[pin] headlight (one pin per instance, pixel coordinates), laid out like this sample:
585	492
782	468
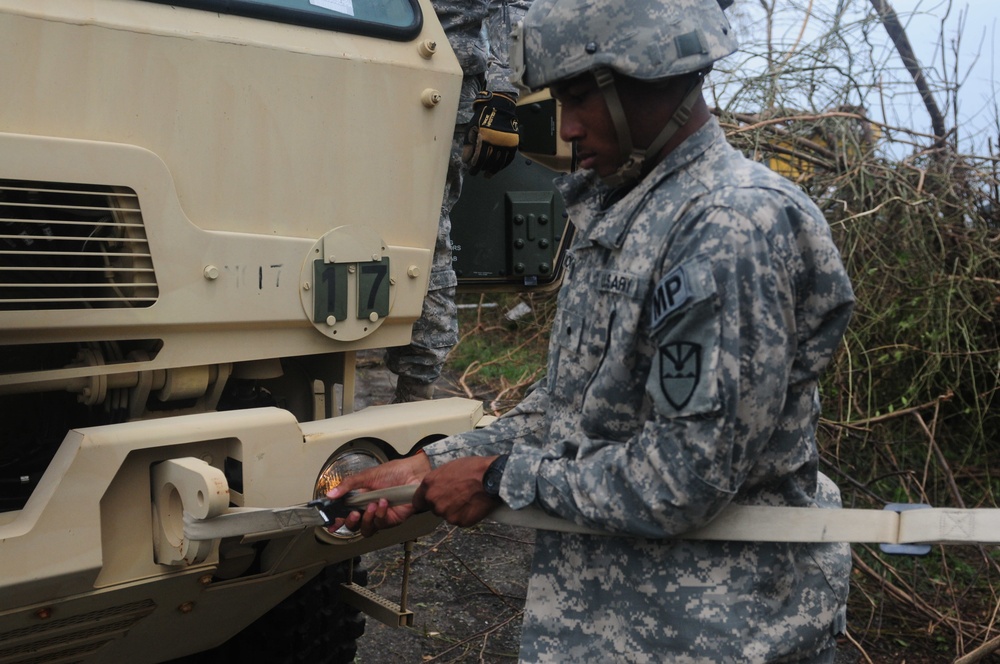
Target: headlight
344	463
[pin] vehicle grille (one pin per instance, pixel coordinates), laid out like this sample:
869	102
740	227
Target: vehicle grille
72	246
71	639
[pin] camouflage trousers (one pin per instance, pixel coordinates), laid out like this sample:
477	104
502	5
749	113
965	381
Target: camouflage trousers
435	333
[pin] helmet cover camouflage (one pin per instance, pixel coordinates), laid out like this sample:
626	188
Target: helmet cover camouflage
644	39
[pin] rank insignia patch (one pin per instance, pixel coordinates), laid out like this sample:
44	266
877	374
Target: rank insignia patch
680	371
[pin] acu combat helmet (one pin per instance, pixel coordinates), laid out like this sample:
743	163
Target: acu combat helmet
645	39
649	40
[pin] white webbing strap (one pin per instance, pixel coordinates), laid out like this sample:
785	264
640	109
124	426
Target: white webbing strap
950	526
259	522
242	521
759	523
898	524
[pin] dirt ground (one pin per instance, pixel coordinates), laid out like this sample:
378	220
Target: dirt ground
466	590
467	586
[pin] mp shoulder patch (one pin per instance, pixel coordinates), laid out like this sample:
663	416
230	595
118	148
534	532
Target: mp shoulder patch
670	294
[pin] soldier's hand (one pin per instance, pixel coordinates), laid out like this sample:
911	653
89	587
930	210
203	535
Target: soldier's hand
454	491
492	141
378	515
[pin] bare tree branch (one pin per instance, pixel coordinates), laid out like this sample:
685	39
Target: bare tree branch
898	35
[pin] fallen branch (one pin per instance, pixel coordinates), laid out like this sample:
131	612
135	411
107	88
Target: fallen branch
981	652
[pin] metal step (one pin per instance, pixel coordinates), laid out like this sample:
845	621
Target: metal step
381	609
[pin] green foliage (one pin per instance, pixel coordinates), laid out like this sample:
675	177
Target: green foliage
499	358
927	276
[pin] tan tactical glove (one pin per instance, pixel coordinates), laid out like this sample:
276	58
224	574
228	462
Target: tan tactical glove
492	142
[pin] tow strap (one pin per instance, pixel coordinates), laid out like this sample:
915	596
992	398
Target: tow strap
898	527
269	522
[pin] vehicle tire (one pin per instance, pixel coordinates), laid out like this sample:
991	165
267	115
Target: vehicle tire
311	625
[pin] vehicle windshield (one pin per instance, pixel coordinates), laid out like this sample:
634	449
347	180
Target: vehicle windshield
391	19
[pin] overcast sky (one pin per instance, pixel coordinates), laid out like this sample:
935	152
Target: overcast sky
976	23
936	28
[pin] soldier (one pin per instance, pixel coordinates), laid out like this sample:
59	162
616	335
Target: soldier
703	297
485	140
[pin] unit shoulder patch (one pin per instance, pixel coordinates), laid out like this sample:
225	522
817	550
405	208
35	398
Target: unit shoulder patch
680	372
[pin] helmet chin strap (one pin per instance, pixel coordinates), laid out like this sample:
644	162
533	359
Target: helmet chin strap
634	160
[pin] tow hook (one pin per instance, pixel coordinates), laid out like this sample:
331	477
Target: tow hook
184	485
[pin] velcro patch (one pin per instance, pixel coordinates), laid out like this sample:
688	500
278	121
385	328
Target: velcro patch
680	372
670	294
619	283
689	44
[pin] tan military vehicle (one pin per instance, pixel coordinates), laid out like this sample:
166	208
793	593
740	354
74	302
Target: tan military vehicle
207	208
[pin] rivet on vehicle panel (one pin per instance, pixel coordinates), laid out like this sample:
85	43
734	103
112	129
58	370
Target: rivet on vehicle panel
373	316
306	285
211	272
376	258
430	98
351	269
331	320
427	48
186	607
205	579
43	614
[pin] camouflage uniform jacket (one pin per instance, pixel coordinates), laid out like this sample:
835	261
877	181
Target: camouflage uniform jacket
478	31
697	312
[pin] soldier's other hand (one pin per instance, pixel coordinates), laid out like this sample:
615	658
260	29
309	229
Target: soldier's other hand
492	141
454	491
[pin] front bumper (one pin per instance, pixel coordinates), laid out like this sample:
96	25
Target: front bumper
80	563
